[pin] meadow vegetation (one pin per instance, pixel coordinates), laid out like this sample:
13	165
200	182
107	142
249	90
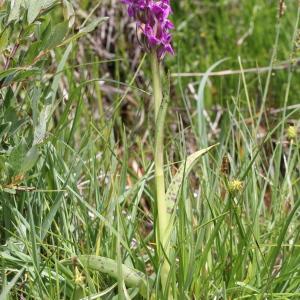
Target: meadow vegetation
77	134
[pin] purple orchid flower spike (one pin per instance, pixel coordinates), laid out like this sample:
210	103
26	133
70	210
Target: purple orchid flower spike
152	20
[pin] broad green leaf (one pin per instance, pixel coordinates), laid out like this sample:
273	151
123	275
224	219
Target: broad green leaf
57	35
34	8
28	31
45	31
48	3
15	9
4	129
174	188
132	277
4	39
16	126
40	128
16	157
30	159
182	173
33	52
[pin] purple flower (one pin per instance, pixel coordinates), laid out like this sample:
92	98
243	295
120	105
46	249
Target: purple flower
152	20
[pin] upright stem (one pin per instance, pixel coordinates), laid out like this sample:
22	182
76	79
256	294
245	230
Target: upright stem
156	83
162	215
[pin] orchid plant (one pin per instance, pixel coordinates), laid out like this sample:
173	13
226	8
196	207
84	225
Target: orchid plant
152	21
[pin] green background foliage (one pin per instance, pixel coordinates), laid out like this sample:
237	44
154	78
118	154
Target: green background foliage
76	140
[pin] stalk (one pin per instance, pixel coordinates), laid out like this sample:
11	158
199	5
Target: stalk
162	214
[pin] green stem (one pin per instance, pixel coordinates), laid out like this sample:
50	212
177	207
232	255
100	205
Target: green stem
162	214
156	83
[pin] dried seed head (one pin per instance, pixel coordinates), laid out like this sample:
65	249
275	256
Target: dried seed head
225	166
282	8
